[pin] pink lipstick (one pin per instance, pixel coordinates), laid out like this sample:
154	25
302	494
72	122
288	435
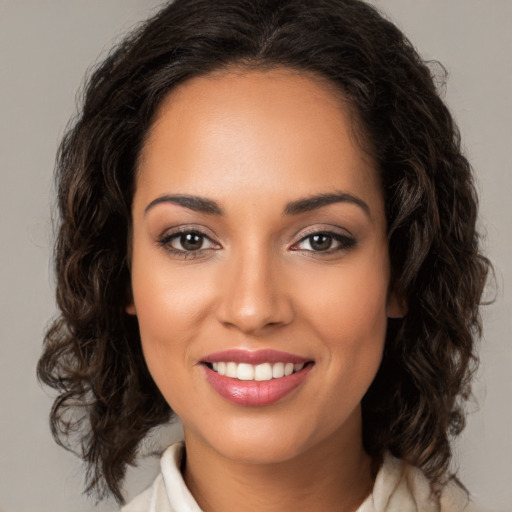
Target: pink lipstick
255	378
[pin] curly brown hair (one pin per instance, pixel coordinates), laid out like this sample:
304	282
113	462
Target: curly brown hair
92	352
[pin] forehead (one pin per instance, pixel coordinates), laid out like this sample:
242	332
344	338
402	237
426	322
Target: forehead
240	130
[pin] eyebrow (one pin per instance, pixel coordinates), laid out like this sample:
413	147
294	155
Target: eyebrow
196	203
308	204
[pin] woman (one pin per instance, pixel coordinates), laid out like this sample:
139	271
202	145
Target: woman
267	228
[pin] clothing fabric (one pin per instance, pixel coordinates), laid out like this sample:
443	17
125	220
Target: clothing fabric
398	487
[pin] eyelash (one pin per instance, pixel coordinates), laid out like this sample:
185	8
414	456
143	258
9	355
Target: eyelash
344	242
166	243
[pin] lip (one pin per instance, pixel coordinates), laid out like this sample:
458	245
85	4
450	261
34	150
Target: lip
254	357
255	393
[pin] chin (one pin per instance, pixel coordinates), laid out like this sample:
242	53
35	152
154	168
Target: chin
261	451
261	440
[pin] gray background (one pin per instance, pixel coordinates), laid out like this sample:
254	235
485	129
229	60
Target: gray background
45	46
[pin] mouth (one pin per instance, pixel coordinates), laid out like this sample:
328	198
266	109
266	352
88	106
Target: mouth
259	373
254	379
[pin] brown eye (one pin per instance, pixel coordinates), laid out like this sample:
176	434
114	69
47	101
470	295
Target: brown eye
320	242
191	241
325	242
187	242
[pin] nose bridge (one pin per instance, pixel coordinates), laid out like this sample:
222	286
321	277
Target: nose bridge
253	292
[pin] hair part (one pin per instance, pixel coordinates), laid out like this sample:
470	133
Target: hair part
92	352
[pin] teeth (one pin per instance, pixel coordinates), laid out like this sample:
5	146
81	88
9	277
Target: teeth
231	370
278	370
263	371
259	372
245	371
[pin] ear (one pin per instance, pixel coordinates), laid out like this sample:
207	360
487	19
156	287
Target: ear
397	307
130	304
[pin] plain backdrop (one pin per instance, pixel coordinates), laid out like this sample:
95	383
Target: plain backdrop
45	48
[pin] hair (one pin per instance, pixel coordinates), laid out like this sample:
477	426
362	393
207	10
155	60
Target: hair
107	400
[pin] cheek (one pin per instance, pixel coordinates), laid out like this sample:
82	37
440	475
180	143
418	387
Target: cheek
352	299
348	311
169	306
167	299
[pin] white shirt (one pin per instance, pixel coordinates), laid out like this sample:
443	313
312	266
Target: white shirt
398	487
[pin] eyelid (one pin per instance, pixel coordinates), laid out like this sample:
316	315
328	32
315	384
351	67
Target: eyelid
165	239
177	236
188	228
321	228
342	236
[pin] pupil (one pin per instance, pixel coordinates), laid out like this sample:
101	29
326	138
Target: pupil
321	242
191	241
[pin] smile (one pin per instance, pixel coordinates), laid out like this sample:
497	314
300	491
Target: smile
260	372
255	378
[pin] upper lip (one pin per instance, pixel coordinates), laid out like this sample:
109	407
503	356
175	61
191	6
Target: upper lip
254	357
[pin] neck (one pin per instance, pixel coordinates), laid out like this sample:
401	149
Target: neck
335	475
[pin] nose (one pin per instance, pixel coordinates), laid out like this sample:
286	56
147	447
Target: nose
254	295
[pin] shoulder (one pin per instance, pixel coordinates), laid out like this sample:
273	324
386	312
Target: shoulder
169	492
400	487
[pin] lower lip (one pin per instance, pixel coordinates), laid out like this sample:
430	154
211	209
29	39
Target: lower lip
252	393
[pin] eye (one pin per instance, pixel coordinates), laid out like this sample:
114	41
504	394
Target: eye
187	242
324	241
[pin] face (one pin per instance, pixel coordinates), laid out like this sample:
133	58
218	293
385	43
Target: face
260	269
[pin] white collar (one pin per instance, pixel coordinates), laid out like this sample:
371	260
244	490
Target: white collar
398	487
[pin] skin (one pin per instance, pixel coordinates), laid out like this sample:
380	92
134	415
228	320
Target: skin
254	142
